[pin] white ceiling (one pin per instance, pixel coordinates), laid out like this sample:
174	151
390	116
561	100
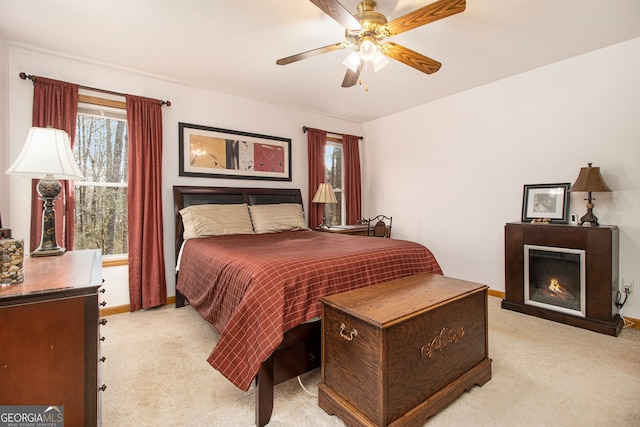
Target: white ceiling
231	46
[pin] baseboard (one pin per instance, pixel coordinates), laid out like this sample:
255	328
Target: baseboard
127	308
494	293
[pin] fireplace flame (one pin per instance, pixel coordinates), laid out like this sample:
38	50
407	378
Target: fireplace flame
556	289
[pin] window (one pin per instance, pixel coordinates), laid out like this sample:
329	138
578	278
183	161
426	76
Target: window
334	167
101	150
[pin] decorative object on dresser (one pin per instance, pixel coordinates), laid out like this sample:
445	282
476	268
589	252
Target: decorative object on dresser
589	180
11	258
397	352
380	226
564	273
545	203
47	155
49	339
324	195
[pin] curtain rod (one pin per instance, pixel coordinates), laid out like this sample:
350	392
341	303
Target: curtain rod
25	76
306	128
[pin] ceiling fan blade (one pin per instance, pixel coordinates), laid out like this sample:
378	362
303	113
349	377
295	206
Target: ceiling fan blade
351	77
411	58
334	9
311	53
429	13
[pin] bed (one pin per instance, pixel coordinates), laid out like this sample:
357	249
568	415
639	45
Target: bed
260	284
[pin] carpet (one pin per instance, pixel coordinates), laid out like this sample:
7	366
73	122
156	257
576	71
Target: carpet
543	374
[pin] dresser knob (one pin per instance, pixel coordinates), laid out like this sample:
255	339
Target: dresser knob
102	359
103	388
102	338
103	290
103	303
103	321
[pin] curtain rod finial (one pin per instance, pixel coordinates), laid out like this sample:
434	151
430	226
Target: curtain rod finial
25	76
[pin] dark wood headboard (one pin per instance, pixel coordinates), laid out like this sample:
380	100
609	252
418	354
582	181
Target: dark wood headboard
184	196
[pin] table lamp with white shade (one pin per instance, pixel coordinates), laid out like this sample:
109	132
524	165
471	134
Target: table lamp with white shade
324	195
47	155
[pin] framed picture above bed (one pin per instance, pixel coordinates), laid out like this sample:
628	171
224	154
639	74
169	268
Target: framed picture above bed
223	153
546	202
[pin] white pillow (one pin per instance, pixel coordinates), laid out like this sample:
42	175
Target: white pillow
274	218
215	220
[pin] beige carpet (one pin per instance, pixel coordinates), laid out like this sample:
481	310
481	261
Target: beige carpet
544	374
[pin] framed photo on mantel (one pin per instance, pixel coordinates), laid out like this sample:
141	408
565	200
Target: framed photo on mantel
546	201
223	153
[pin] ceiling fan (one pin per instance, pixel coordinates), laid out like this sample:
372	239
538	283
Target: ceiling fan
366	29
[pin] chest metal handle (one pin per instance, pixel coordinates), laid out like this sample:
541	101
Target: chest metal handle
352	334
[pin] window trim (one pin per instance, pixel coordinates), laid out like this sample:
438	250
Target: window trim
117	259
337	142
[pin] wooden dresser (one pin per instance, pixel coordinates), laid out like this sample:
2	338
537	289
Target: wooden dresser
398	352
49	329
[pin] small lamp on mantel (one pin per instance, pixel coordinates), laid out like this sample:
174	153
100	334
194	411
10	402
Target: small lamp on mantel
589	180
324	195
47	155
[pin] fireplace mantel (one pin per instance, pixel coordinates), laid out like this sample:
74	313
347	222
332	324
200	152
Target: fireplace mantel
601	262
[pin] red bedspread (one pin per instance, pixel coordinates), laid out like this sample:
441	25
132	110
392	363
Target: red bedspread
253	288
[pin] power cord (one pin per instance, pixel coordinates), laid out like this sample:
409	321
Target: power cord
304	388
619	296
626	323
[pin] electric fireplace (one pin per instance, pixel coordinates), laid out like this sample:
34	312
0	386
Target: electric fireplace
564	273
554	279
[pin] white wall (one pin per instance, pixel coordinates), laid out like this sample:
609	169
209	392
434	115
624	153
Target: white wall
4	131
451	172
188	104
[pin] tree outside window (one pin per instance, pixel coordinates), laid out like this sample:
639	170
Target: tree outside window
334	167
101	150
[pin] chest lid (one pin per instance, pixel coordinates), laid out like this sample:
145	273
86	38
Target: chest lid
392	302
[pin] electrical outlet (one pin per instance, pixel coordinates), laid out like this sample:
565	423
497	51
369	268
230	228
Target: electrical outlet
627	284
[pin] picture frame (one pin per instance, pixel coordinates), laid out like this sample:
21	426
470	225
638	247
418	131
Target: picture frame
223	153
546	202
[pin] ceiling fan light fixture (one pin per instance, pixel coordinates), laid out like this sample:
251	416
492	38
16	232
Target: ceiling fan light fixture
379	61
352	62
368	49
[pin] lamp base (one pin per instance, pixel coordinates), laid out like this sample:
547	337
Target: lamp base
42	252
324	224
48	188
589	218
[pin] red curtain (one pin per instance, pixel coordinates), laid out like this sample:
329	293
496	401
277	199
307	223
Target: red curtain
316	141
352	180
55	104
147	284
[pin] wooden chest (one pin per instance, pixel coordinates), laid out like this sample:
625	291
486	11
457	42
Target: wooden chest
398	352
